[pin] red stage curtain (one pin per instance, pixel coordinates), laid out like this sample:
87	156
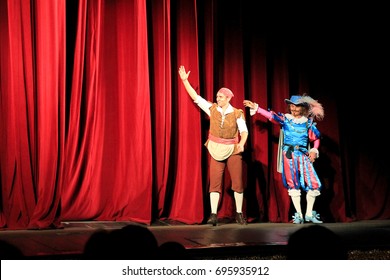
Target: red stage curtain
95	123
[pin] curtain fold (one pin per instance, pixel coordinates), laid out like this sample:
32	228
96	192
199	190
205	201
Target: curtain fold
187	198
95	123
49	97
162	104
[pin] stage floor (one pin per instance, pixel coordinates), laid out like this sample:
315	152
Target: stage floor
202	241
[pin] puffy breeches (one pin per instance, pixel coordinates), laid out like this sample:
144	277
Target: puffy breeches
217	169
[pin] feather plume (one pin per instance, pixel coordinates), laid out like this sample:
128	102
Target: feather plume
315	108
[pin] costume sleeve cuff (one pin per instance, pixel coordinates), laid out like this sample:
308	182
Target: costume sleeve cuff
254	111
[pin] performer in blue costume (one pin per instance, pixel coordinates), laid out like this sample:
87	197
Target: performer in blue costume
298	133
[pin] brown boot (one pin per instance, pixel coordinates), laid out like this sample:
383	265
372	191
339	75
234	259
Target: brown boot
213	219
240	219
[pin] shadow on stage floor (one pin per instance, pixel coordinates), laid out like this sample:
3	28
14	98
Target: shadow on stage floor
201	241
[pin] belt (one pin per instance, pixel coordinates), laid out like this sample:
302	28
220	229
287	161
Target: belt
223	140
291	148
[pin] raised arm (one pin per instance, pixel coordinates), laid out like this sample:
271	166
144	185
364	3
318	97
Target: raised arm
184	77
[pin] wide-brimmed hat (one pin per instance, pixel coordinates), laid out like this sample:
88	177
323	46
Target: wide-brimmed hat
315	108
296	100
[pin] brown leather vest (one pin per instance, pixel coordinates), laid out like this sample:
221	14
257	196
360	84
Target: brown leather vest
227	128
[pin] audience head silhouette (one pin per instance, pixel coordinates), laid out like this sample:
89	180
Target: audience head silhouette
9	251
172	250
315	242
97	246
132	242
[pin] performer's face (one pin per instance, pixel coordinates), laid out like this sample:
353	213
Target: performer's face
222	99
296	110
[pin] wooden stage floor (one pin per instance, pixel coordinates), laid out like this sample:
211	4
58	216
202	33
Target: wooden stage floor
202	241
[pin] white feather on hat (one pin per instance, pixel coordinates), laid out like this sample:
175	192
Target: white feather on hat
315	108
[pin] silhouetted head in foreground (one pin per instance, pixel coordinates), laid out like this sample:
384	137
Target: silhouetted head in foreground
172	250
9	251
132	242
315	242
